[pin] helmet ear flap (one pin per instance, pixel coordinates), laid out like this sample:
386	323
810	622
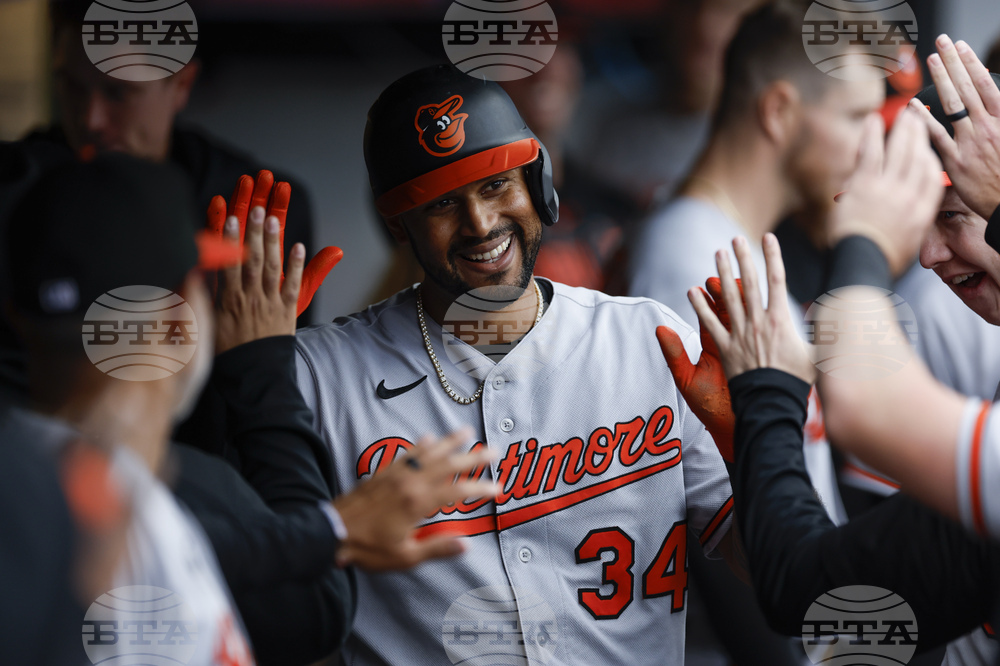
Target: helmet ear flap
540	187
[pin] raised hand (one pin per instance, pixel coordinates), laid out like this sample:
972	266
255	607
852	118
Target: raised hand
759	337
382	513
254	300
894	194
704	386
970	96
264	193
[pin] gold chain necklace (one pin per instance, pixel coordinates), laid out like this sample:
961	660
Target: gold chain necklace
437	366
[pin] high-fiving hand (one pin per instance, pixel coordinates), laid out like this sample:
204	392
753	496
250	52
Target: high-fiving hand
759	337
250	195
704	386
382	513
970	96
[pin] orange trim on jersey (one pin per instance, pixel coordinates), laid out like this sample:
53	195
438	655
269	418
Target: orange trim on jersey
854	469
467	170
524	514
717	520
974	489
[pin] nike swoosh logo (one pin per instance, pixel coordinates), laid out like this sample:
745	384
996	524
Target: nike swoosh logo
386	393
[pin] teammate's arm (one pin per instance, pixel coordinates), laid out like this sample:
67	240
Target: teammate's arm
379	516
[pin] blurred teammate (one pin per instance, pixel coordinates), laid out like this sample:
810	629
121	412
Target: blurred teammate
274	531
784	138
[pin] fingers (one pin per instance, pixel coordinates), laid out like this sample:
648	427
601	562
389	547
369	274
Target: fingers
709	321
949	80
232	272
871	156
902	143
939	135
675	355
262	189
981	78
293	274
239	203
278	206
960	79
435	548
714	286
254	245
429	449
462	491
216	218
271	281
777	290
751	290
315	273
730	297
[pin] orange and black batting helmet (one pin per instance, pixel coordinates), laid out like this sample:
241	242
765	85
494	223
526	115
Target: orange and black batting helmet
438	129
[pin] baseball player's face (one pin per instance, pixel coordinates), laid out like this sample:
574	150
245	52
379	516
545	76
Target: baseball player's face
956	250
484	233
134	117
824	154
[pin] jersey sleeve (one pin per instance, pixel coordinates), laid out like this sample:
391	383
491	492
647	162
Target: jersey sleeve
306	380
706	483
978	467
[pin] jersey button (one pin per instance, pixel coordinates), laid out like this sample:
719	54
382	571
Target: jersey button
507	425
524	555
499	382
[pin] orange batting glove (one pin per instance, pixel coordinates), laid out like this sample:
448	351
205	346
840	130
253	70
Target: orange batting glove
704	386
274	198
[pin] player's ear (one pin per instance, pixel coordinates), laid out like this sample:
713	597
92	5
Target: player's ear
395	226
183	82
778	110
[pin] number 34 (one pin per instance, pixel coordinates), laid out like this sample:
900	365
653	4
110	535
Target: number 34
666	575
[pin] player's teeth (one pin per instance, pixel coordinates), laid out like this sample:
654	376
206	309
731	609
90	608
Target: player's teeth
490	257
961	278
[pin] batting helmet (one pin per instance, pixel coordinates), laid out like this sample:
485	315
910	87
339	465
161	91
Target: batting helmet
437	129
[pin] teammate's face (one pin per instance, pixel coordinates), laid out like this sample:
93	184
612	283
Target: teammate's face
956	250
824	154
134	117
484	233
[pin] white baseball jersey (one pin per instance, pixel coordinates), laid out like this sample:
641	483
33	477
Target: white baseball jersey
693	230
168	602
582	559
978	468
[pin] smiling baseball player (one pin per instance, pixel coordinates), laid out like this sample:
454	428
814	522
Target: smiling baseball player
581	558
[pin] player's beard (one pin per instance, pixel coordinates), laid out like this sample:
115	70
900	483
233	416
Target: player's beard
809	177
447	276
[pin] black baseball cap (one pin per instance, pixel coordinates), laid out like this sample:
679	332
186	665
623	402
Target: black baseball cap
82	229
929	98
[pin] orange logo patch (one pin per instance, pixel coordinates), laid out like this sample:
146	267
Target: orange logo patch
440	127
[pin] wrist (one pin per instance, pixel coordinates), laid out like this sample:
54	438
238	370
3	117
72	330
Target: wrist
339	529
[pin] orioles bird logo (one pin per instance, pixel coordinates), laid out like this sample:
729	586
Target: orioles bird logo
442	130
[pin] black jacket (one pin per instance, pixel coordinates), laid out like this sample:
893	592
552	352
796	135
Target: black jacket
275	546
949	577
